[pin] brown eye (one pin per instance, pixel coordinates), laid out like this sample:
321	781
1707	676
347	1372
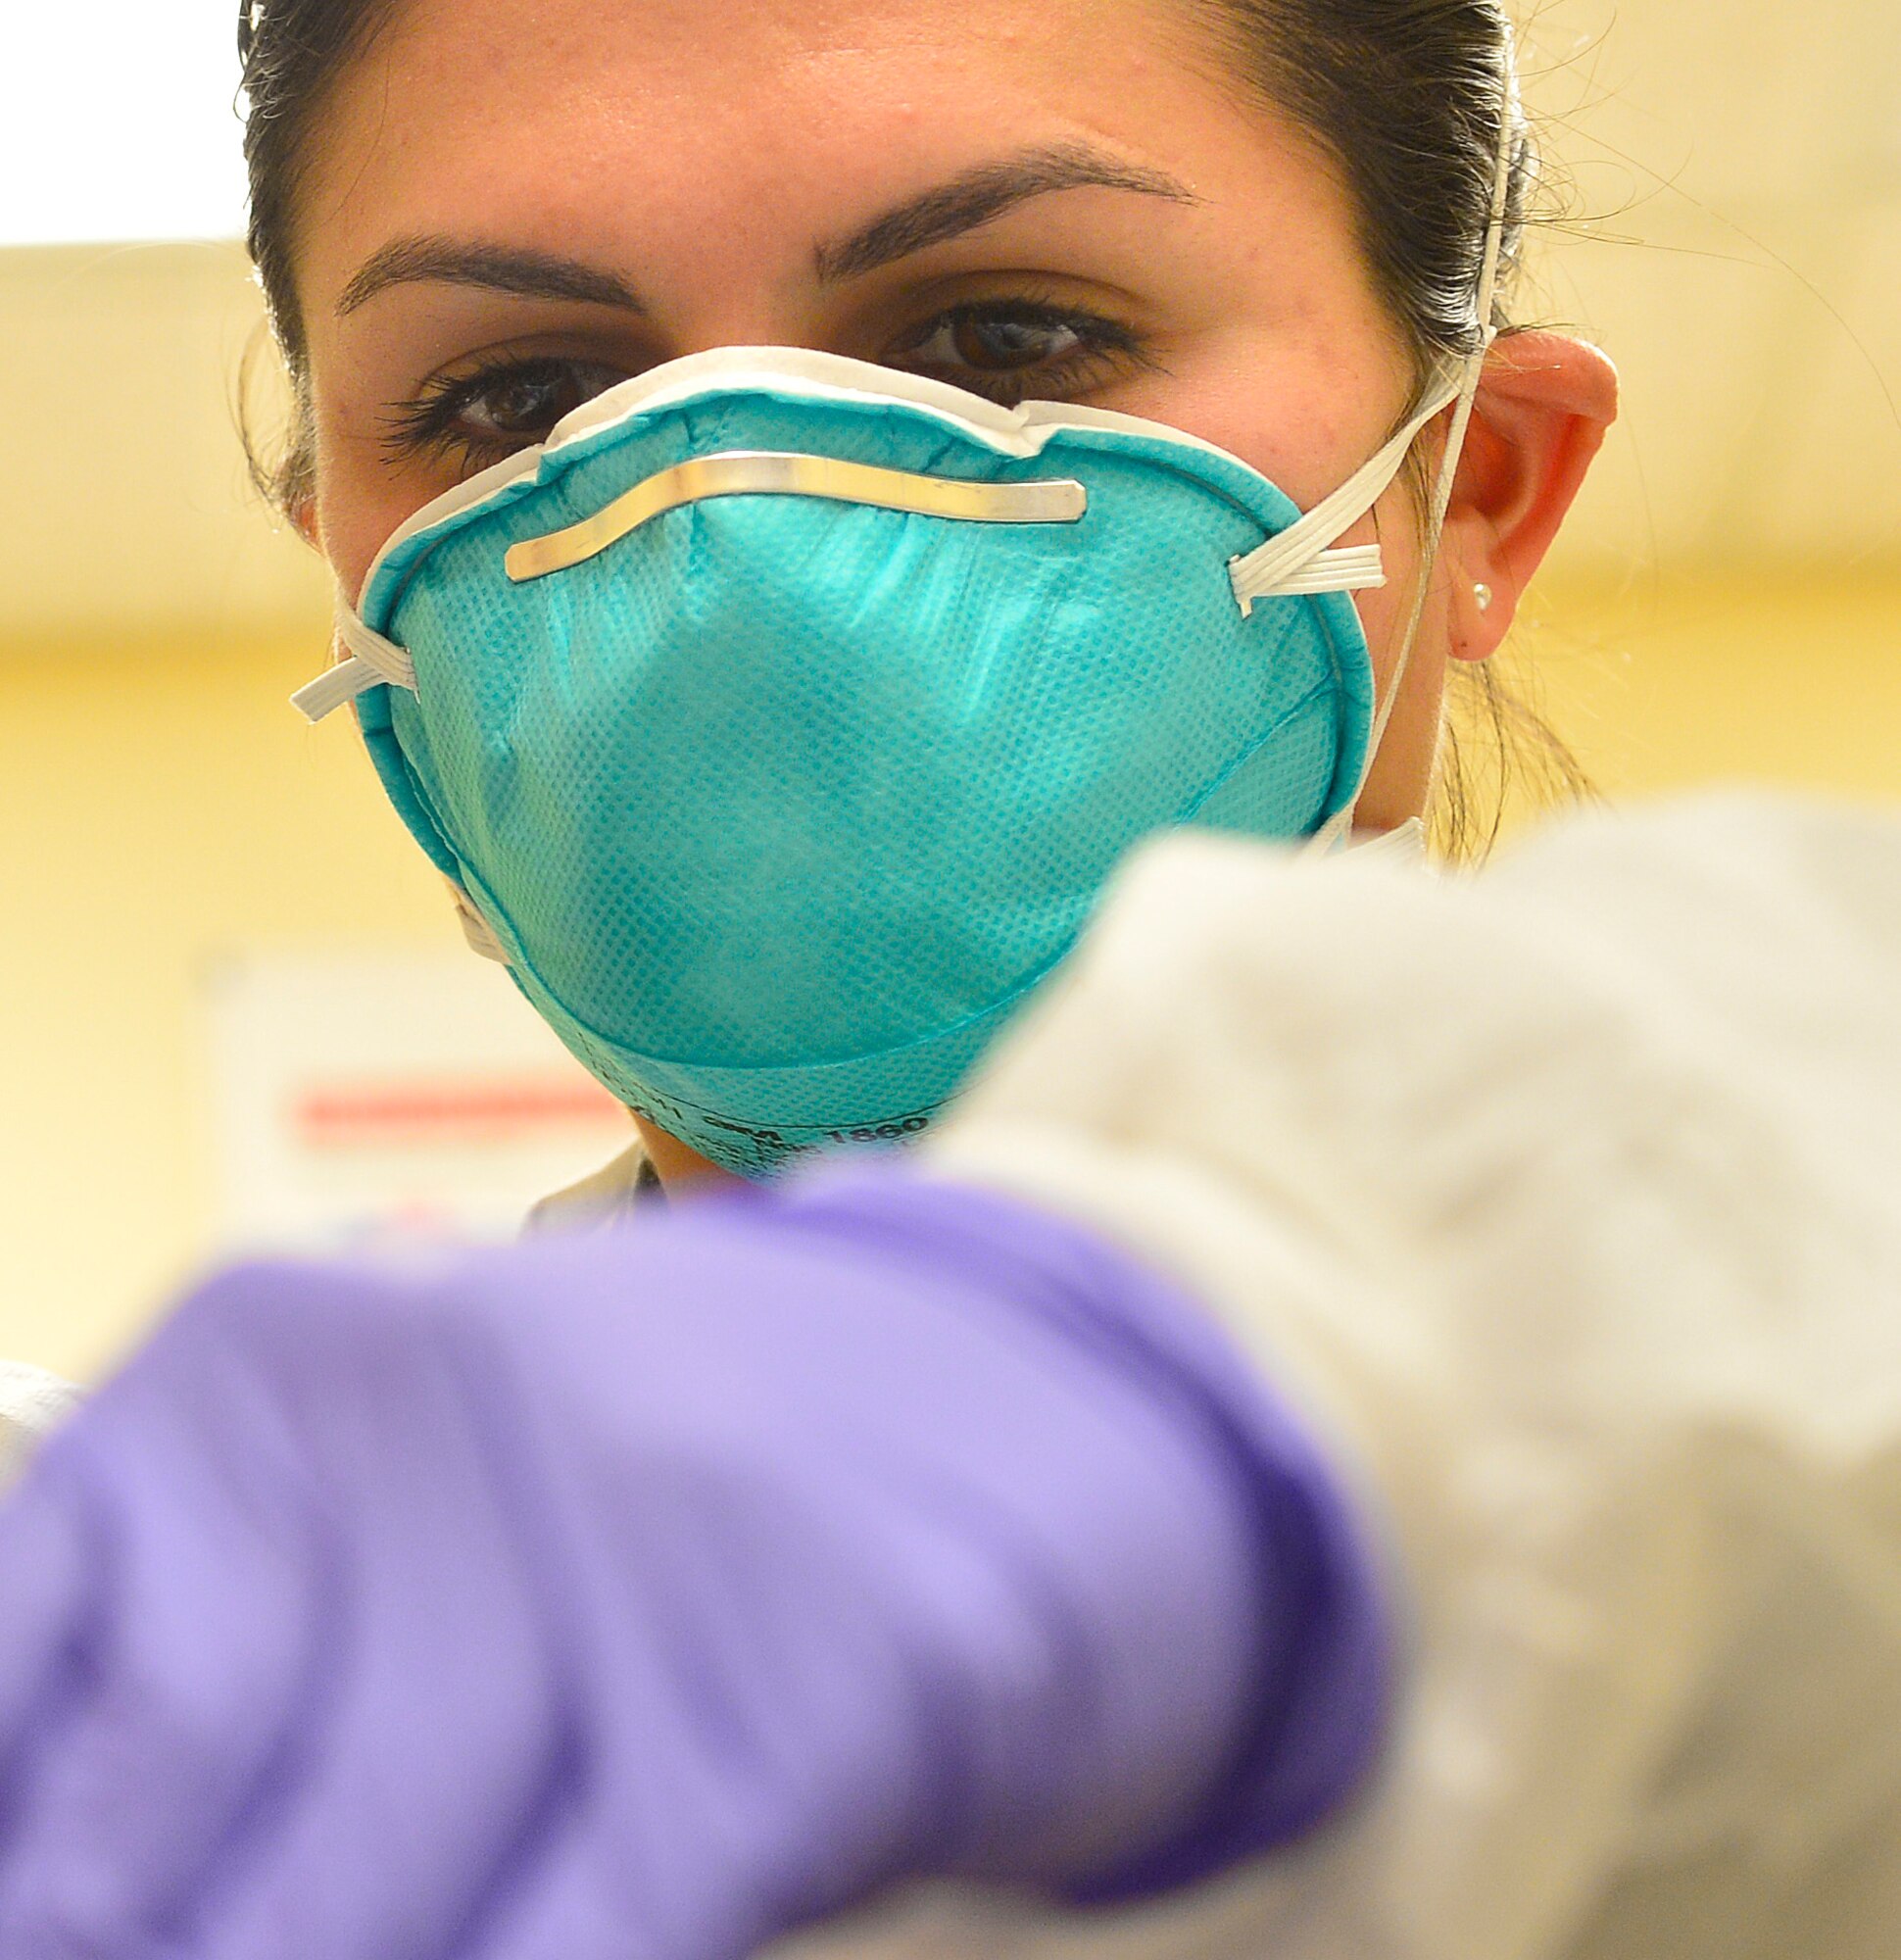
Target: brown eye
996	344
1010	350
528	401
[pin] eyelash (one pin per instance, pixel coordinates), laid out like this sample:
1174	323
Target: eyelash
428	424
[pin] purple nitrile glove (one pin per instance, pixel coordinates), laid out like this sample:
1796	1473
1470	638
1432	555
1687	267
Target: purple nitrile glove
643	1596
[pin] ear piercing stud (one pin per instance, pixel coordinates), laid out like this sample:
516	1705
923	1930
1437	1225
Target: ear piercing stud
1485	595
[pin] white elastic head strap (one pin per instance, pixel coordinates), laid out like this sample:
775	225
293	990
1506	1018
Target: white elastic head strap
1304	559
476	930
1466	398
367	660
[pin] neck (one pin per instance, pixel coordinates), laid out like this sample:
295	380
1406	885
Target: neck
675	1165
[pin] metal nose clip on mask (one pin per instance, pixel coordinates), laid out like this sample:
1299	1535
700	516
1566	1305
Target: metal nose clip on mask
784	717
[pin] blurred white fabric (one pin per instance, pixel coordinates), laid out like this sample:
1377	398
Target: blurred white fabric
1566	1197
32	1402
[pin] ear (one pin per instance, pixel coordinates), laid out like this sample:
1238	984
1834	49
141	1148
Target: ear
1544	406
302	512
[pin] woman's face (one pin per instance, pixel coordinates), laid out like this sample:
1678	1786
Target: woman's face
517	203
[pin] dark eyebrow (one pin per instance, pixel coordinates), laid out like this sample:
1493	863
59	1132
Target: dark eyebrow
498	268
976	198
985	193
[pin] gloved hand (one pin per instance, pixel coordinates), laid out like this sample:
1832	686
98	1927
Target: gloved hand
651	1595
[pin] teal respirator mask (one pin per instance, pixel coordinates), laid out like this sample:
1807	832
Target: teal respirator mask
783	717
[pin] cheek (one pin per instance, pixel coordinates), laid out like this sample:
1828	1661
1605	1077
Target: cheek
358	503
1307	412
1304	391
1306	427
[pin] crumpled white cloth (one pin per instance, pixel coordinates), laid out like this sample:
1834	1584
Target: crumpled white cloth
32	1402
1568	1196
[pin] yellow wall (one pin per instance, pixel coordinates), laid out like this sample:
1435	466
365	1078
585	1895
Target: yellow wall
1794	680
160	803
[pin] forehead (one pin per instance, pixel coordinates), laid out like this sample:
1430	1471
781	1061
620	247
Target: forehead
632	126
721	61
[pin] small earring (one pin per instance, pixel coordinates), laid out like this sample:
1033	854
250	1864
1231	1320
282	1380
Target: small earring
1485	595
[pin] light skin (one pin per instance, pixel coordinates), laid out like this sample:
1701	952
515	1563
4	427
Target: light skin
1075	203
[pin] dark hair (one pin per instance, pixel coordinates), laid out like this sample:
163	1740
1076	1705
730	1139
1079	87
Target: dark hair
293	53
1414	100
1410	99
